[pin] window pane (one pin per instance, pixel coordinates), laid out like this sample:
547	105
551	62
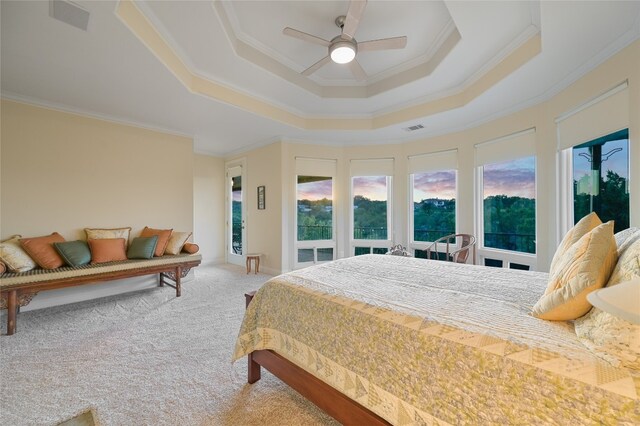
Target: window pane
601	179
493	262
315	208
362	250
325	254
370	208
380	250
434	205
305	255
236	215
509	193
422	254
518	266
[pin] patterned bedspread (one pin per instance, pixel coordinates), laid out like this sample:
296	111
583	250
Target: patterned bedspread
429	342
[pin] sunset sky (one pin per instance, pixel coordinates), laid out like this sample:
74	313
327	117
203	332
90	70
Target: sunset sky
515	178
371	187
315	190
440	184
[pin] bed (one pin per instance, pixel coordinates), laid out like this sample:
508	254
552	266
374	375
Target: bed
413	341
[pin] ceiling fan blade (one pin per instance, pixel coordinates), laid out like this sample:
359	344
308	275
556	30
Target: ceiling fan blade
357	70
315	67
383	44
306	37
356	9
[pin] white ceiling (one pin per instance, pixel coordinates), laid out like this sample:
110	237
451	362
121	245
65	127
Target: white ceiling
108	72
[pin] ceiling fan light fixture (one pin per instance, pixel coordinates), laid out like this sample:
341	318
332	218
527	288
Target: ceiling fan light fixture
342	52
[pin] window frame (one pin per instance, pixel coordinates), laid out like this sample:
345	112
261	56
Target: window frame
506	256
353	243
314	244
423	245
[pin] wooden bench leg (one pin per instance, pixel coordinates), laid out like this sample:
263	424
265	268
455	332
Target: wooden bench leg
12	305
178	279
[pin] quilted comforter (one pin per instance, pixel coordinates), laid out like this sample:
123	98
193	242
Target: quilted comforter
428	342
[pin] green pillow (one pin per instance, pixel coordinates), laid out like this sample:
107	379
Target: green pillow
142	247
74	253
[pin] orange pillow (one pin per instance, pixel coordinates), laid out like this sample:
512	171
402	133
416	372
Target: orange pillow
107	250
190	248
41	250
163	238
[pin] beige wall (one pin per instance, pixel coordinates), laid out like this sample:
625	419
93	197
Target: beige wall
64	172
623	66
208	207
264	227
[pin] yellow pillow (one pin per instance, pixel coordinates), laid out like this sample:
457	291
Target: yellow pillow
583	226
583	268
176	242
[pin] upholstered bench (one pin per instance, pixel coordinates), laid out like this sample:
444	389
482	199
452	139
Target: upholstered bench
17	289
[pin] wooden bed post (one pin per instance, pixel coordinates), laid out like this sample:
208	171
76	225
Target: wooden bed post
178	277
253	368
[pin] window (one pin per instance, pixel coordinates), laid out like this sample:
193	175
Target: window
594	160
506	201
315	239
434	204
370	206
432	199
509	205
315	208
601	179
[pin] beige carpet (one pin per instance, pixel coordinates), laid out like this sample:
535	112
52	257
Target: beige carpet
144	358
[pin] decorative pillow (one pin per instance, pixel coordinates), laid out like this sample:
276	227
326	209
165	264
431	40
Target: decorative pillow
163	238
583	226
107	250
583	268
74	253
190	248
623	235
176	242
42	251
101	233
142	247
12	255
609	337
3	268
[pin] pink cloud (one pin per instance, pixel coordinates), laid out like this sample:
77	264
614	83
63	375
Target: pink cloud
513	178
371	187
315	190
440	184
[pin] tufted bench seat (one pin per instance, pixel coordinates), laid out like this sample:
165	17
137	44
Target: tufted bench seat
17	289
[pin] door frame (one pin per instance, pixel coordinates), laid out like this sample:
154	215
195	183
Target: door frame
236	259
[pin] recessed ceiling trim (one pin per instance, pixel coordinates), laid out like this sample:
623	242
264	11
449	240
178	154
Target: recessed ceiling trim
139	25
290	72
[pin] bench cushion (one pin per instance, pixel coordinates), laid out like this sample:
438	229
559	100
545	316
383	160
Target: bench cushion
39	275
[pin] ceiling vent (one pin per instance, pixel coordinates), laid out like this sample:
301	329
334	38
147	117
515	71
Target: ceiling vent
414	128
69	13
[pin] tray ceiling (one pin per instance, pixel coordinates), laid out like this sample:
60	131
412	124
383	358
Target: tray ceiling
224	73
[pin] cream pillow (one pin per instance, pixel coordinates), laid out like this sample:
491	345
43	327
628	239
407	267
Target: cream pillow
176	241
583	226
583	268
12	254
610	337
110	233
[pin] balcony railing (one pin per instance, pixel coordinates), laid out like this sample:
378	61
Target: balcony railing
525	243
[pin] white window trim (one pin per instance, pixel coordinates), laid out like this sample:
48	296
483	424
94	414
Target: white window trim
507	256
423	245
314	244
353	243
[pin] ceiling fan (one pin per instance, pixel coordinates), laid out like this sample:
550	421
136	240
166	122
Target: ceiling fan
344	47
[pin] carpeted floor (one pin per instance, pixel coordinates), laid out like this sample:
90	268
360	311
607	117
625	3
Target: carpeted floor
144	358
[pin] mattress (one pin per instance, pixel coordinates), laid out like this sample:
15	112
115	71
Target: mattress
428	342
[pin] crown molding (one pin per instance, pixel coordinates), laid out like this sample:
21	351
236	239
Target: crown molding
55	106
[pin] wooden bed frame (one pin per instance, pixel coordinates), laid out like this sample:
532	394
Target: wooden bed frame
333	402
